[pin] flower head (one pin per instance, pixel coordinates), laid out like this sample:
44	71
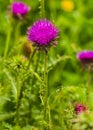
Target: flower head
42	33
67	5
79	108
27	49
19	8
85	56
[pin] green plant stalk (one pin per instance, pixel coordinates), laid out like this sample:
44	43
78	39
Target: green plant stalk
7	40
36	65
46	88
17	31
16	37
89	80
31	57
19	98
42	8
11	1
46	94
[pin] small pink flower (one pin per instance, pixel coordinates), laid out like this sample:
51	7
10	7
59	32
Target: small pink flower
79	108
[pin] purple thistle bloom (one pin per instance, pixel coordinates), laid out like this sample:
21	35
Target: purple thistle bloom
79	108
85	56
20	8
42	33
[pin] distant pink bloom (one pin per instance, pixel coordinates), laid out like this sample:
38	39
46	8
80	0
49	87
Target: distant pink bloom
79	108
85	56
19	8
42	33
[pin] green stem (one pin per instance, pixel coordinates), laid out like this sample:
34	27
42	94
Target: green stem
89	80
46	95
31	57
42	8
11	1
7	40
20	95
17	32
36	65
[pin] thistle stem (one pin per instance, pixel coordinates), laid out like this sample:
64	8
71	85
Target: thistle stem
42	8
20	95
46	95
17	32
46	88
7	40
89	80
36	65
31	57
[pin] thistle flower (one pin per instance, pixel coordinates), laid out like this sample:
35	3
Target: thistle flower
67	5
85	56
43	33
79	108
19	9
27	49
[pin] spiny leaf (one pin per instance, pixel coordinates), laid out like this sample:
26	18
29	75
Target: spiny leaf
14	89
